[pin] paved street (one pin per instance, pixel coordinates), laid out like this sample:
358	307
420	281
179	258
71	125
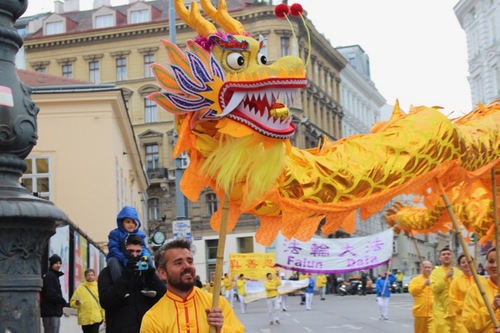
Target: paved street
335	314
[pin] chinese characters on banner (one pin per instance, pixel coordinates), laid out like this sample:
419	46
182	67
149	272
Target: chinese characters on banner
328	256
254	266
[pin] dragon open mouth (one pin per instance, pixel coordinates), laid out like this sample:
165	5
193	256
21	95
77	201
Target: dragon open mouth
251	103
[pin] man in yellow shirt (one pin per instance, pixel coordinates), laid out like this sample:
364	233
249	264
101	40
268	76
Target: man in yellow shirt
441	277
321	284
273	307
241	291
420	289
228	288
185	308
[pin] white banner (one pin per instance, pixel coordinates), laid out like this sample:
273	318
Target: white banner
340	255
255	289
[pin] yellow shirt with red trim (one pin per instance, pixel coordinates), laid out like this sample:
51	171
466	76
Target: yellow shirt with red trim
173	314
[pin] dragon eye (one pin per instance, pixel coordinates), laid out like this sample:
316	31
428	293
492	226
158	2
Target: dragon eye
235	60
262	59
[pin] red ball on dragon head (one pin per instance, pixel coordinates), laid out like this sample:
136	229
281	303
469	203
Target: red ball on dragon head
296	9
281	10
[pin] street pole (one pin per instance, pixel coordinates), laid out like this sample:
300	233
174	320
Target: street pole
26	222
181	161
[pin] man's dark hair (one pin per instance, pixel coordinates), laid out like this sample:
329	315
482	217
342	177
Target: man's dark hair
88	270
160	255
133	239
446	248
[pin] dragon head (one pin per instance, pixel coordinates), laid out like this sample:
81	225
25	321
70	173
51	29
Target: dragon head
227	76
229	101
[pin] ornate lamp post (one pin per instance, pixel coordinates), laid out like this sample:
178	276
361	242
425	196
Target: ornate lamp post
26	222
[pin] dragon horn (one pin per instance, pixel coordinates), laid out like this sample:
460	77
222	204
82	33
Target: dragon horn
222	17
194	19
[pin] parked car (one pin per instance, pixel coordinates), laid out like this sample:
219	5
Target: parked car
406	282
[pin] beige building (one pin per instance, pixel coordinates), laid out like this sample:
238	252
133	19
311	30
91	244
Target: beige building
116	45
85	159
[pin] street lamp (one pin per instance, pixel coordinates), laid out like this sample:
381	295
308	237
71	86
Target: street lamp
26	221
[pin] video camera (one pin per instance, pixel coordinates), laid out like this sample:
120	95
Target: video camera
142	264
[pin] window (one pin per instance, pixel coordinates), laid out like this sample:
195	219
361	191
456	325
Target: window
52	28
211	203
121	69
245	245
150	111
94	71
152	157
154	209
211	245
148	61
104	21
139	16
37	177
41	69
285	46
67	70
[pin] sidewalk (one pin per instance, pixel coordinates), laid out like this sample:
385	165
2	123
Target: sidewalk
69	322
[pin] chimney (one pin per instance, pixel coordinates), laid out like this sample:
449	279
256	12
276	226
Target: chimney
71	5
100	3
58	6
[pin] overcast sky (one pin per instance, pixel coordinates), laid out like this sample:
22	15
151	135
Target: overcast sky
417	49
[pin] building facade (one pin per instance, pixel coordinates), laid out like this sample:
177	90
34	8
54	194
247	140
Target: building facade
85	157
480	19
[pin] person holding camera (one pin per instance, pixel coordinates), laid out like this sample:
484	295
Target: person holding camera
122	298
128	224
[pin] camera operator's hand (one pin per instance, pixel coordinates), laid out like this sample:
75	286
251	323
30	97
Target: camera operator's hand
130	268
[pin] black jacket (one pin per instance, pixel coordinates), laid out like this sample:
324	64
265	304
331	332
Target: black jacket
124	314
52	300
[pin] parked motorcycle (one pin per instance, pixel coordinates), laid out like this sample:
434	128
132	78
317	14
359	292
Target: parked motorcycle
351	287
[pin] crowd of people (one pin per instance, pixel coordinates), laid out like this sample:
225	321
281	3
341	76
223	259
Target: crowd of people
130	294
448	300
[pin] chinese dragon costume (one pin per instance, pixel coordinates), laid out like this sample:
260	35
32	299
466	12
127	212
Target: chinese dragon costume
232	118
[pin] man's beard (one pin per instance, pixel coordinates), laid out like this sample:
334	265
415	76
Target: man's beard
177	283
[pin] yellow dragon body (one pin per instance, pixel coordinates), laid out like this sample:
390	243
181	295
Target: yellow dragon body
233	121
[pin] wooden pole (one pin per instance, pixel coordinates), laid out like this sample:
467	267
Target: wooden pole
220	256
469	260
495	217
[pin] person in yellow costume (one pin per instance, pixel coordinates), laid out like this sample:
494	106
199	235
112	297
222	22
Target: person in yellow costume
458	290
321	284
441	277
273	307
475	315
228	288
241	291
185	308
420	289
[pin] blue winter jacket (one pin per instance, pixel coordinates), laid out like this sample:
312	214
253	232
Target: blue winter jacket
310	287
381	283
117	237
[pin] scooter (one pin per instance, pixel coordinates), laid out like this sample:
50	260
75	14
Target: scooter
351	288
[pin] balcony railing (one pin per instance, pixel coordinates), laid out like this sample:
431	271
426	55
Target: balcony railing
157	174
